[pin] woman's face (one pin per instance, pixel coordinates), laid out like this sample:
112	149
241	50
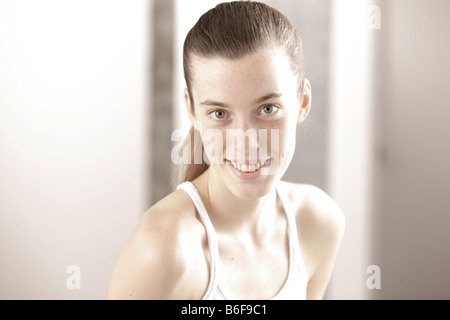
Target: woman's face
246	111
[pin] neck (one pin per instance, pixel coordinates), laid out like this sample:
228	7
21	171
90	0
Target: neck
231	214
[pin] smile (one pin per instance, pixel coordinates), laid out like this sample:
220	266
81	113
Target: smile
248	167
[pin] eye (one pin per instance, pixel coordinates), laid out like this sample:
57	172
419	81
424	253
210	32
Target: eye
218	114
269	109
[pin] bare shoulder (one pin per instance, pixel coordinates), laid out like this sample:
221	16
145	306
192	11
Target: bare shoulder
315	207
320	225
163	259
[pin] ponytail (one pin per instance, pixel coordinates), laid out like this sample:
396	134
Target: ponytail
191	170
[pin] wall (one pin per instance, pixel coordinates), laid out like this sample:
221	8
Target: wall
73	142
412	220
350	143
388	149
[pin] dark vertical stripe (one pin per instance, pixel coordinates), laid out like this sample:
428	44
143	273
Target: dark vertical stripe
163	35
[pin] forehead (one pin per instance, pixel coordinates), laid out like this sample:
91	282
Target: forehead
232	80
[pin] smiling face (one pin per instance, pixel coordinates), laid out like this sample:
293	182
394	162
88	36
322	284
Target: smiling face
256	95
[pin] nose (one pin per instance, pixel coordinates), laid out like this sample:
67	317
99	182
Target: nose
247	139
243	142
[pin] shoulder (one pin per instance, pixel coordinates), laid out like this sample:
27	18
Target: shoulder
315	207
320	225
163	259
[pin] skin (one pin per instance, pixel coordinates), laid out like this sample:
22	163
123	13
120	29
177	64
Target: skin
167	256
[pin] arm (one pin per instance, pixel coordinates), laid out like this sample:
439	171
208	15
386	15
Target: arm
155	263
321	228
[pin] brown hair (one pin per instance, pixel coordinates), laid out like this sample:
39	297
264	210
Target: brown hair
233	30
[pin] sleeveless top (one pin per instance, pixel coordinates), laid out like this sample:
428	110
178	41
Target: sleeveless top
294	287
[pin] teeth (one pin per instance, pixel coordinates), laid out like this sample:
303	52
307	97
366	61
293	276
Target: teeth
247	168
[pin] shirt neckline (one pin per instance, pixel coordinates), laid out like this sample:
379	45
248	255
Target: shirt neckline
215	267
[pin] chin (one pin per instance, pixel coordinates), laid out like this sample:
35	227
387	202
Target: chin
249	193
248	189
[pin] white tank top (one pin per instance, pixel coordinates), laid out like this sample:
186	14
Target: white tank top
294	287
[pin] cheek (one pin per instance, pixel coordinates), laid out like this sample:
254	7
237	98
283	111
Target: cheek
290	142
213	144
285	143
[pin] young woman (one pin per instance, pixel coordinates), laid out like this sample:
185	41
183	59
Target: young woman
233	229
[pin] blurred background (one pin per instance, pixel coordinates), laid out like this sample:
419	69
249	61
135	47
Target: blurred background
91	91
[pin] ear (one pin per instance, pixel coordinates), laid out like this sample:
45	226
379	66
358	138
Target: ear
305	102
190	110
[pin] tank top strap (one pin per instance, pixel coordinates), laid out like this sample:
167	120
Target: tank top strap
190	189
295	279
292	227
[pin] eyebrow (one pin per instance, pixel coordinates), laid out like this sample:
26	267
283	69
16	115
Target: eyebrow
257	101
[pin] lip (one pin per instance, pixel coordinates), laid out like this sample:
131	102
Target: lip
247	175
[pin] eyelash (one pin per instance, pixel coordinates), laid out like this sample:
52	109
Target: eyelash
262	108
